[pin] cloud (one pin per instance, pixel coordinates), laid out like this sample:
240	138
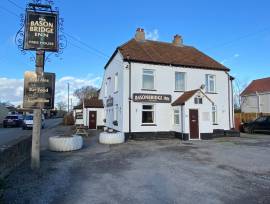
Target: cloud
235	56
11	90
152	35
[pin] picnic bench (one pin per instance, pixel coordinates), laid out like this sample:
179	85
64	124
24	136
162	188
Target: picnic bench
81	130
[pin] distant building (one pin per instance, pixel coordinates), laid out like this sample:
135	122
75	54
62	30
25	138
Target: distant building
256	97
90	113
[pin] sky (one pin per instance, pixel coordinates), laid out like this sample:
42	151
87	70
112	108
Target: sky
235	33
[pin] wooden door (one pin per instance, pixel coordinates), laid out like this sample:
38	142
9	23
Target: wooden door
194	124
92	119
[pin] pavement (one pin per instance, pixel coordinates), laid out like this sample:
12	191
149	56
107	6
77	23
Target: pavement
224	170
8	135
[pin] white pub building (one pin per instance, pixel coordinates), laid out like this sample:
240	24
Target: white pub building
157	89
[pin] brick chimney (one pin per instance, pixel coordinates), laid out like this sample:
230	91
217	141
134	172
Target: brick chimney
178	40
140	35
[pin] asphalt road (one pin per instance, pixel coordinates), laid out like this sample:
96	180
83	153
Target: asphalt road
7	135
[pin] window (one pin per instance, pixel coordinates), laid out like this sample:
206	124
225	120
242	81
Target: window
147	114
214	114
148	79
180	81
176	117
115	113
116	82
198	100
210	83
106	90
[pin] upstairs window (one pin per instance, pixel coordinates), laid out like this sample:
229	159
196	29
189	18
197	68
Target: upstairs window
180	81
176	114
148	114
106	90
210	83
148	79
198	100
116	82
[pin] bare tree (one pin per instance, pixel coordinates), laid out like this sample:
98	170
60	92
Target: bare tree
86	92
238	88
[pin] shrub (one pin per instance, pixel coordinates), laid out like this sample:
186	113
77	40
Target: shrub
69	119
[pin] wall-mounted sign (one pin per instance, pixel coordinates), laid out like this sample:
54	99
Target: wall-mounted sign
154	98
41	31
39	91
79	114
109	102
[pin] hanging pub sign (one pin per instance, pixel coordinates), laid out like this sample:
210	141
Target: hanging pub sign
154	98
41	31
39	91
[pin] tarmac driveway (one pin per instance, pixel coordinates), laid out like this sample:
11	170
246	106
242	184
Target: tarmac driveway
225	170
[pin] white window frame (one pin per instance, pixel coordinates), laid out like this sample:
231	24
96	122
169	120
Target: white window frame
106	89
175	114
214	114
198	100
148	110
207	83
153	74
115	112
183	88
116	82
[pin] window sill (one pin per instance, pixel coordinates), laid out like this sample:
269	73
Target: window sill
148	89
215	124
178	91
148	125
211	92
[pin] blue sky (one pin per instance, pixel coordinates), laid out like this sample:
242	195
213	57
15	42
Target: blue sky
235	33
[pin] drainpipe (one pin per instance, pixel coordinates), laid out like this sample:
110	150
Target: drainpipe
129	101
229	101
182	123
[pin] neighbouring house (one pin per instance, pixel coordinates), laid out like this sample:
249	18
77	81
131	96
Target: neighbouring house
90	113
256	97
160	89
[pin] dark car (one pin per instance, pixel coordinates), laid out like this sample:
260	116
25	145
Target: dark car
261	124
13	121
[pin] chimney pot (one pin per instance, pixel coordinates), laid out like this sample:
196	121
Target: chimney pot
178	40
140	35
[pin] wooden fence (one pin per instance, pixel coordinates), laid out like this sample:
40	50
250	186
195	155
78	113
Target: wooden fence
246	117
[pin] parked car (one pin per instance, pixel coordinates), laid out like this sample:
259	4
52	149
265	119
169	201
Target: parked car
28	122
261	124
13	121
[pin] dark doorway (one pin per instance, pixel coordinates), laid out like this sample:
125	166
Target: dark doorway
194	124
92	119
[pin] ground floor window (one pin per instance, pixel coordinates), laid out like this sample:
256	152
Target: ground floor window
148	114
115	113
176	117
214	114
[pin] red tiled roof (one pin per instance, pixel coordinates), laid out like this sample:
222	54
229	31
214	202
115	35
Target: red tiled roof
259	85
154	52
184	97
91	103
